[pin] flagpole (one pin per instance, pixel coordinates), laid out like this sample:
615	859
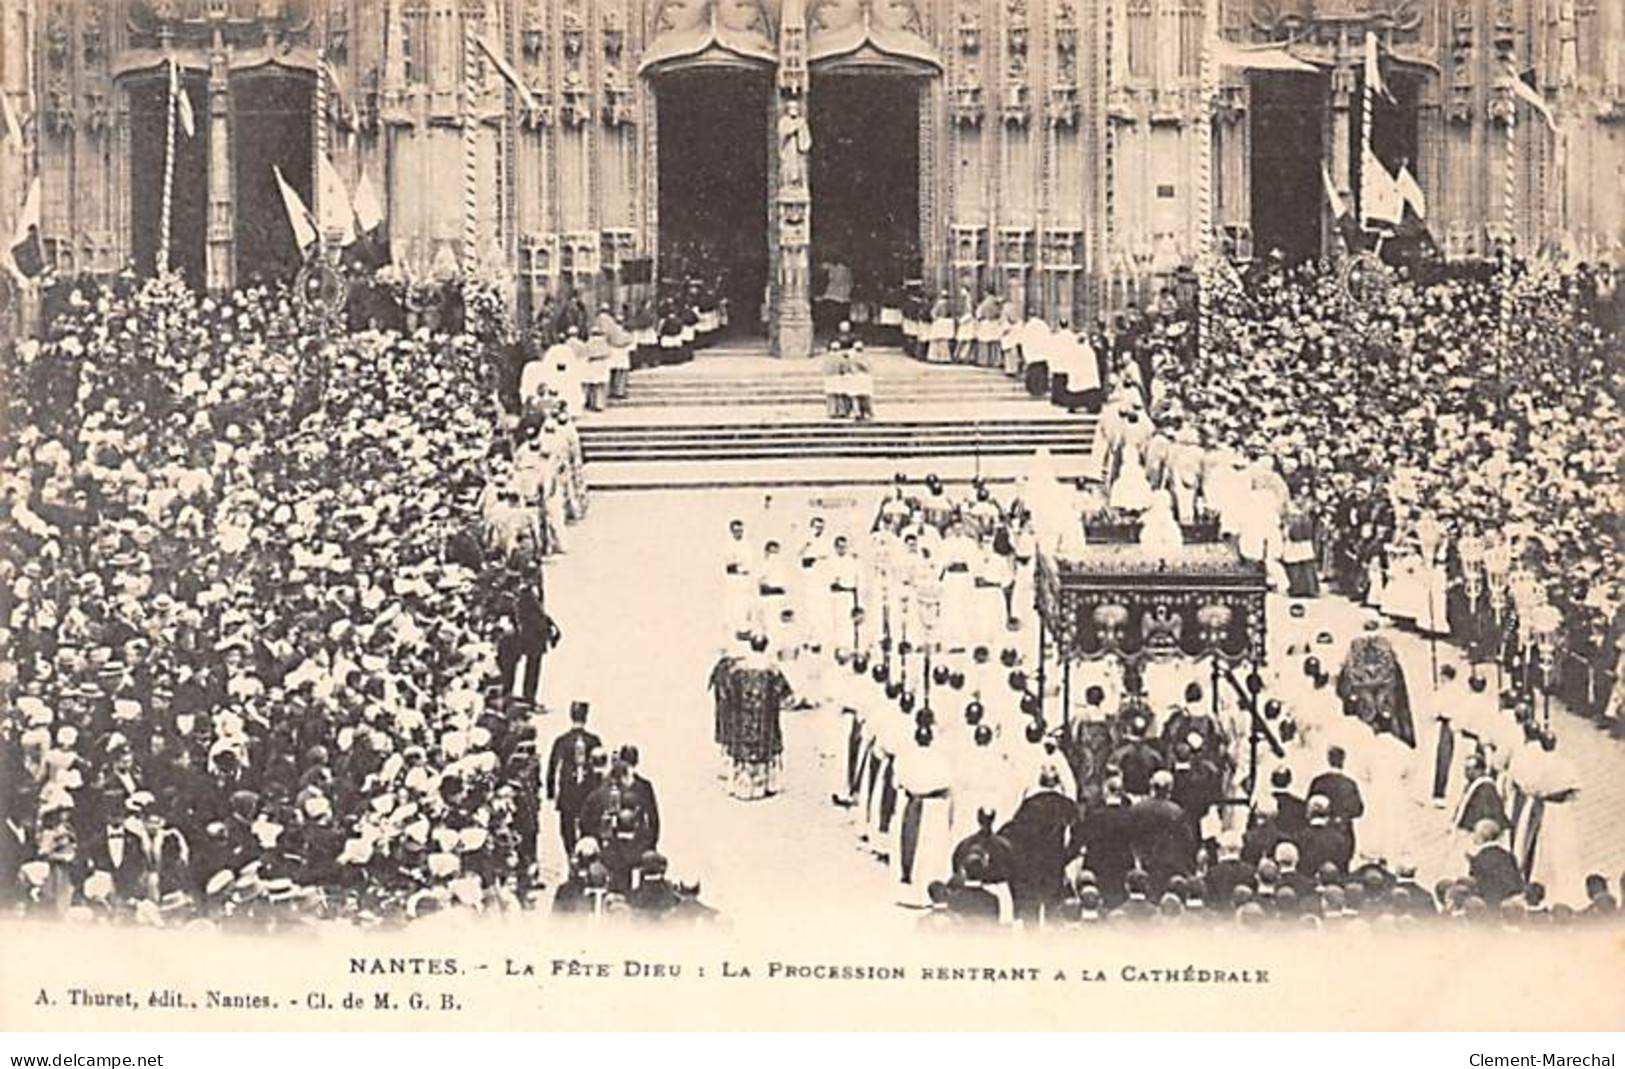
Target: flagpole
1509	205
471	155
321	142
166	212
1368	98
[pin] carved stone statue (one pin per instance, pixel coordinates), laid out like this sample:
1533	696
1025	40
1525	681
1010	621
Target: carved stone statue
795	141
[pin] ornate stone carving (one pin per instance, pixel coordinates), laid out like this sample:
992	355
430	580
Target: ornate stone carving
613	30
969	30
1017	109
619	99
541	114
533	30
1502	107
1066	32
338	32
967	98
1504	28
1061	109
58	38
59	116
574	28
1230	106
1460	240
1015	32
1461	62
575	105
98	113
795	142
92	39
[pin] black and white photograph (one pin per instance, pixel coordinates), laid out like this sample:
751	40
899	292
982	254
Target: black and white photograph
1082	511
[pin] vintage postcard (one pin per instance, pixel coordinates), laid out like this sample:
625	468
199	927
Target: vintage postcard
811	514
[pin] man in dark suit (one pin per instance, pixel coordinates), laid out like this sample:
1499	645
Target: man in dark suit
642	795
998	856
1045	835
1493	868
1338	788
1288	873
1108	841
1163	840
569	774
1138	759
520	652
1291	814
1229	872
1324	841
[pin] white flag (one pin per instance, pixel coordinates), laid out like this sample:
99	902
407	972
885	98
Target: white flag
14	129
333	203
1267	58
1524	92
369	211
304	229
1339	209
1373	70
1380	198
181	99
509	75
1410	191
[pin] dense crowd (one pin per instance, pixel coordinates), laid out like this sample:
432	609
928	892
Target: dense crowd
960	764
272	644
1451	447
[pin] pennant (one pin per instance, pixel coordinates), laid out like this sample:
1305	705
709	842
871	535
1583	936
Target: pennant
1527	93
1380	199
27	248
304	229
1373	70
509	75
369	212
1268	58
182	99
333	203
1410	191
14	129
1333	197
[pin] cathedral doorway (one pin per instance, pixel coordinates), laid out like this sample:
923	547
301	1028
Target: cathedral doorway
713	161
865	181
189	204
1288	112
271	131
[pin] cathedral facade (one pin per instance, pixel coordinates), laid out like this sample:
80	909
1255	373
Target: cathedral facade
1076	154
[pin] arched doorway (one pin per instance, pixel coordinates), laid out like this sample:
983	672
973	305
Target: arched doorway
1288	110
271	131
189	202
713	167
865	175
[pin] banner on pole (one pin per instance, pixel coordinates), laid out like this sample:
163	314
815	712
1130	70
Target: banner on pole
181	100
299	217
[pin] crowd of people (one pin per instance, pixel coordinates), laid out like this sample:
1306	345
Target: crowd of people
272	616
961	765
1447	453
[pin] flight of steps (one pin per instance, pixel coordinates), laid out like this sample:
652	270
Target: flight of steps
743	419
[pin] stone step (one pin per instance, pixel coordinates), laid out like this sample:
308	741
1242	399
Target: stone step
824	431
673	474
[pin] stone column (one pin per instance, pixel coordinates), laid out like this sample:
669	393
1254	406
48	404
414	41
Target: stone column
220	265
793	278
1344	84
791	326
